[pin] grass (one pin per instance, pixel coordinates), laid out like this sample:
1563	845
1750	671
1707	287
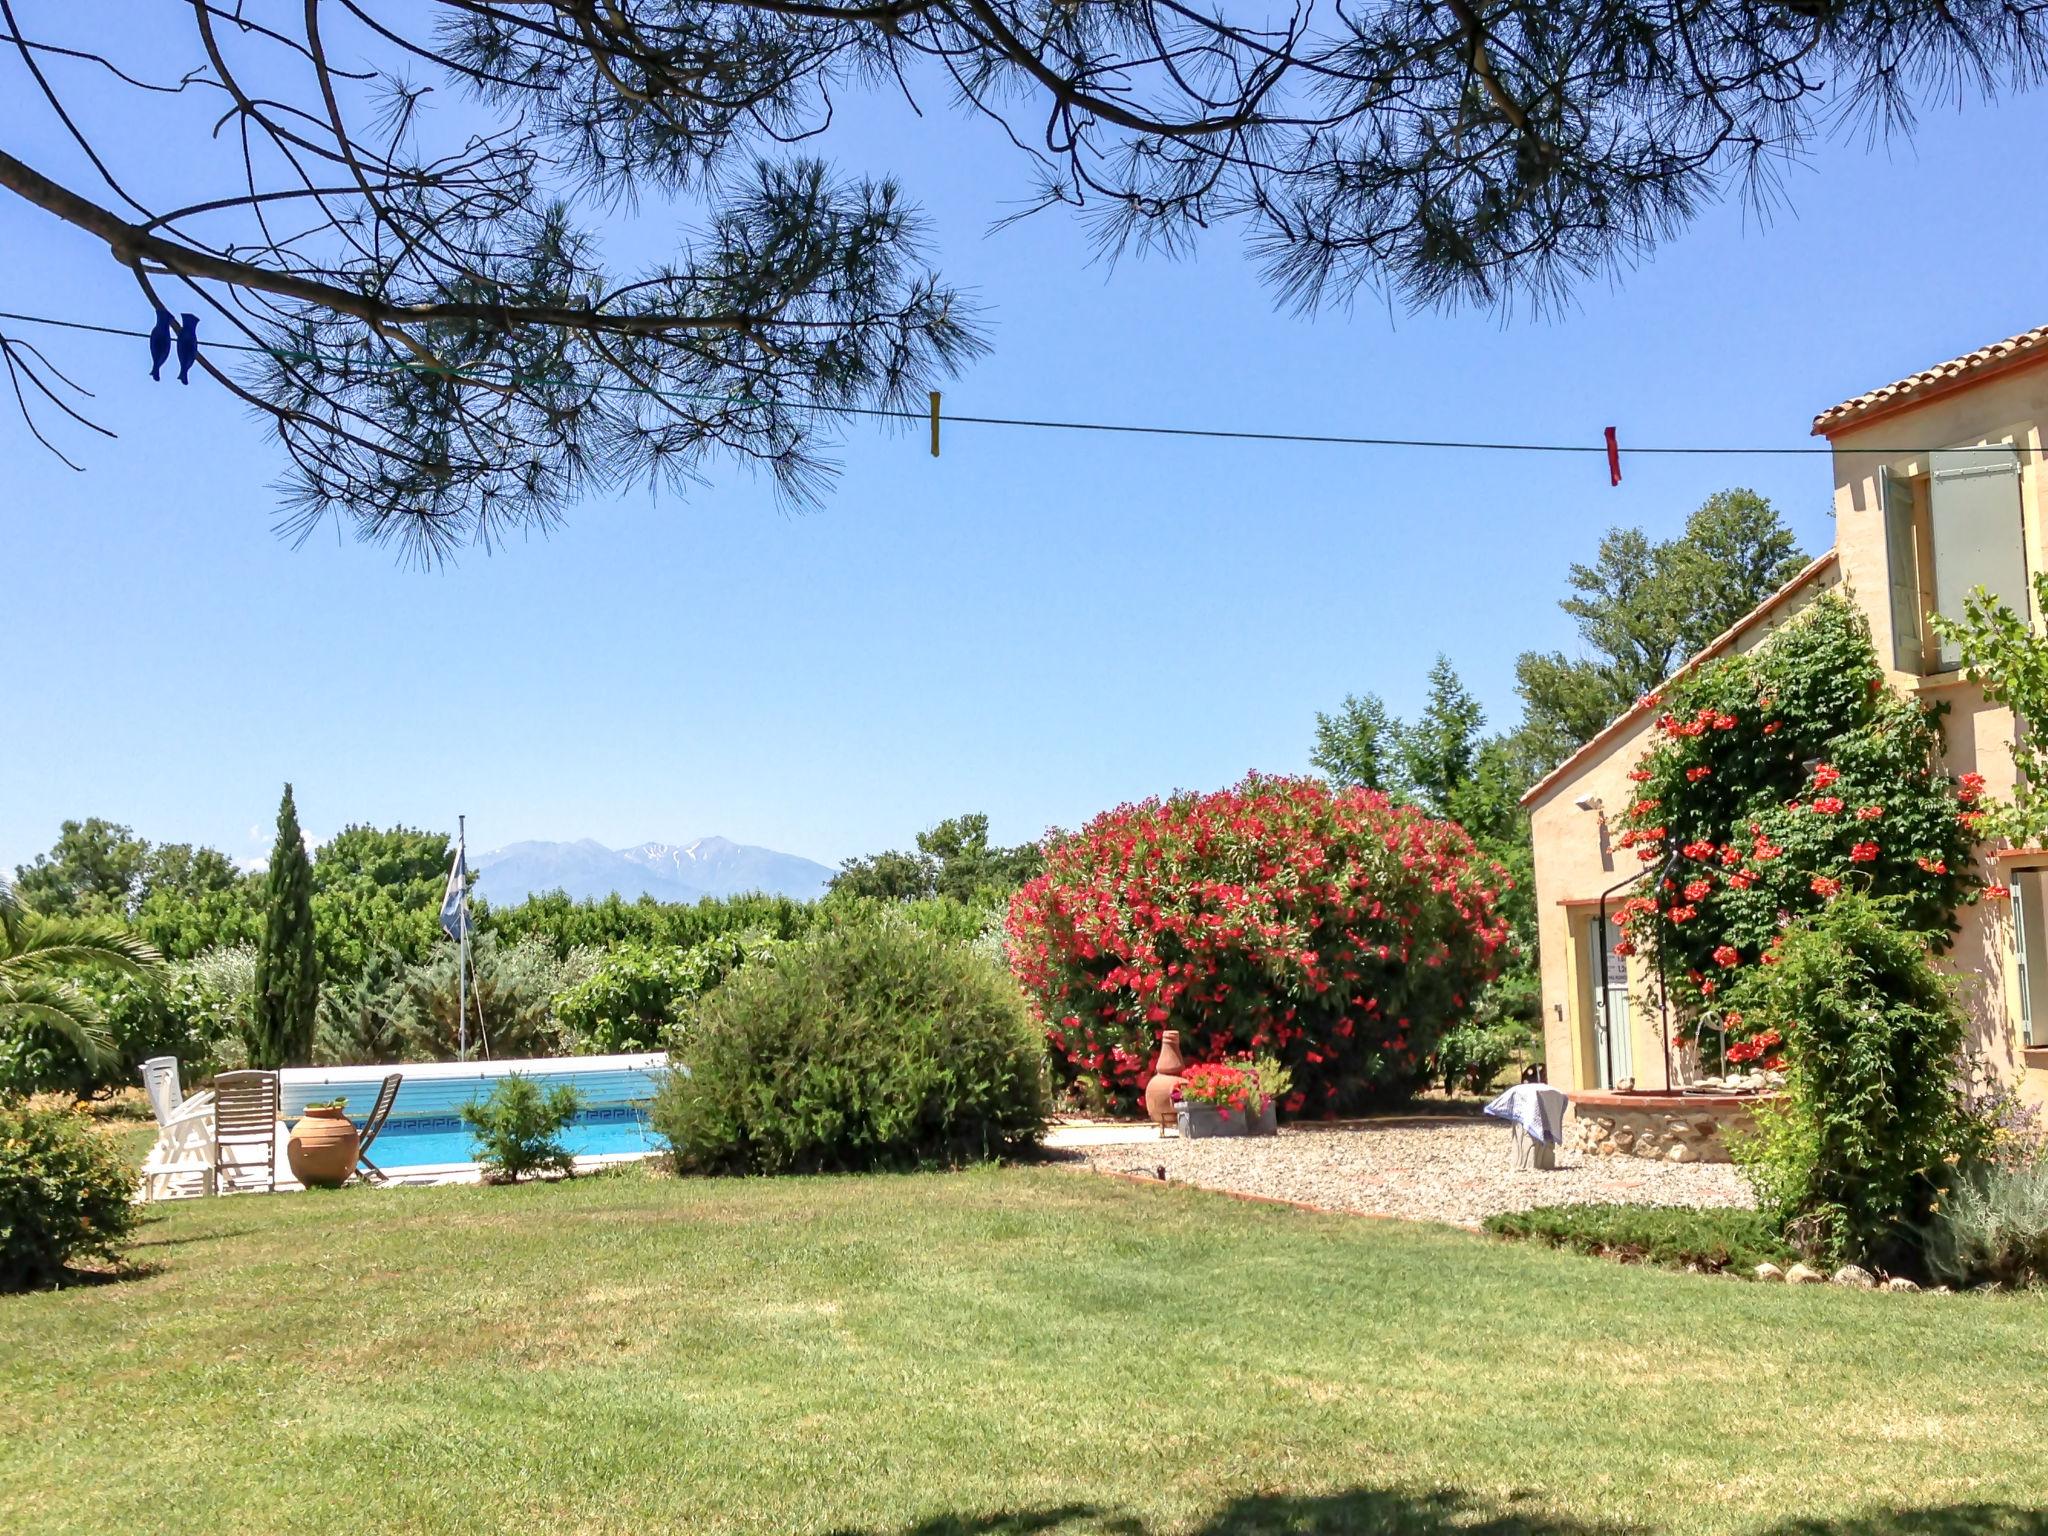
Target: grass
992	1352
1677	1238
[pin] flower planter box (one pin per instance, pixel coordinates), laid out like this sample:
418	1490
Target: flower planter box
1266	1122
1199	1120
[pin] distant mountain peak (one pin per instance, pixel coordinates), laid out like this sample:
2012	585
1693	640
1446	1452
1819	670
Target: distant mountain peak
704	866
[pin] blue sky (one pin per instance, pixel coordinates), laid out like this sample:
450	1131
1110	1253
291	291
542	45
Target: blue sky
1037	625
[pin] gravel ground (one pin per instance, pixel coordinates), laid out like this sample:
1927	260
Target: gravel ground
1420	1170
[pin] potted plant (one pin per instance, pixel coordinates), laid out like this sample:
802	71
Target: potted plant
1216	1098
1275	1083
323	1145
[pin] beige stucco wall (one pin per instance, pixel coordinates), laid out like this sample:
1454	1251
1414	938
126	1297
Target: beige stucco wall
1978	735
1576	860
1574	864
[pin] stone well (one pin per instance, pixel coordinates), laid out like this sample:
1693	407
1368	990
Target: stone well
1680	1127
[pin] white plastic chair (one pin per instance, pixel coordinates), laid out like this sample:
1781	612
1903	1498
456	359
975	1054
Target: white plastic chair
160	1082
182	1161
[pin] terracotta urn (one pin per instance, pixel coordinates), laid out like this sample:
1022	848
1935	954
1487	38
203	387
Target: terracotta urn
1166	1076
322	1147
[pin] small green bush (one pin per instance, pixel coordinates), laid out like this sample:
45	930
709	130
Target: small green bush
1473	1056
871	1043
65	1194
1669	1236
1992	1224
518	1128
1872	1122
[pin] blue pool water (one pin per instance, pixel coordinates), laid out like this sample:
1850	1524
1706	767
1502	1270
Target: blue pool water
423	1139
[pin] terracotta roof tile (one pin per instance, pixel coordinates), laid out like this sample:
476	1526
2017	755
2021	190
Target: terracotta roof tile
2000	353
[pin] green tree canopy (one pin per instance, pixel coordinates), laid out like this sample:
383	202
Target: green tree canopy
93	869
1359	744
953	859
1643	608
378	889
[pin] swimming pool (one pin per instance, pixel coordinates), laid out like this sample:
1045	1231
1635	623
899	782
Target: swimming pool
426	1130
424	1140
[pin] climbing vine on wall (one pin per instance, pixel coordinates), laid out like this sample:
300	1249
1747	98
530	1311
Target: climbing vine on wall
1776	780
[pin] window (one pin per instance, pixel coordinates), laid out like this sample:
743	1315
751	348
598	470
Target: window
2030	940
1947	532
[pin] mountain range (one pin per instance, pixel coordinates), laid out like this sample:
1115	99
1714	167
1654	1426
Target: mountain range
586	869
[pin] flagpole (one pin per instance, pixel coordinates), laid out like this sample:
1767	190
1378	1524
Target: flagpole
462	957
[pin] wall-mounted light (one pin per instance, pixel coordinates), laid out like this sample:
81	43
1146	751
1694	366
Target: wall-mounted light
1589	803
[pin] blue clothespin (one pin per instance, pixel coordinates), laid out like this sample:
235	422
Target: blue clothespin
188	346
160	344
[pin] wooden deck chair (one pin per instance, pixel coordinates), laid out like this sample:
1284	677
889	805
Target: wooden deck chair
387	1093
245	1114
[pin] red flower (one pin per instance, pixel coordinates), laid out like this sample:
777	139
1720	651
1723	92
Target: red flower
1727	955
1827	805
1698	890
1863	853
1870	813
1823	776
1824	887
1970	787
1933	866
1694	775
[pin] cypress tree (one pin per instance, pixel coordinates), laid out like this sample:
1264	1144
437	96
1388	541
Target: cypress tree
287	967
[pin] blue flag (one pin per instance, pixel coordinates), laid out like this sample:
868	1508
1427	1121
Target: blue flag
455	900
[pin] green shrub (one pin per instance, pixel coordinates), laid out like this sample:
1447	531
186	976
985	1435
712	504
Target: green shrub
518	1128
869	1044
1472	1056
1670	1236
1992	1224
636	996
65	1194
1872	1122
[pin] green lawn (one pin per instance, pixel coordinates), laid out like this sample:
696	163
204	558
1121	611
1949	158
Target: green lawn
1016	1351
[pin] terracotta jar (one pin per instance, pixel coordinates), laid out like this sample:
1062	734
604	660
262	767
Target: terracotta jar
1166	1076
322	1147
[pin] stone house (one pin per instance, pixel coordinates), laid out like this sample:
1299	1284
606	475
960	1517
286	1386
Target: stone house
1938	489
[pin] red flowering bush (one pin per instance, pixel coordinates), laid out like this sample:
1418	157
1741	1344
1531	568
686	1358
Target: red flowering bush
1821	779
1330	929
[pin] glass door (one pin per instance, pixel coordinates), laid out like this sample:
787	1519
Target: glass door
1607	975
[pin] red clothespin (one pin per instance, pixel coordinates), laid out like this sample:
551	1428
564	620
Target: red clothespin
1613	459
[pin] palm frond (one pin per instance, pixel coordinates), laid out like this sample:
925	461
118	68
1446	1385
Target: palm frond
46	945
62	1009
11	917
